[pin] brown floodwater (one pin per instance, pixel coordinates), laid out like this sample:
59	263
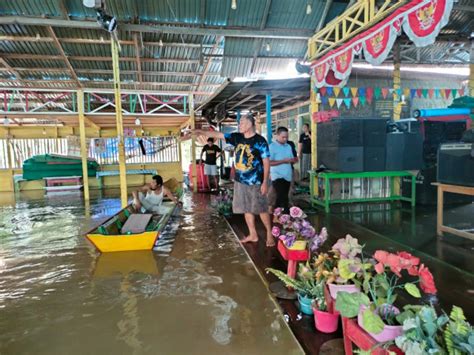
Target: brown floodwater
59	296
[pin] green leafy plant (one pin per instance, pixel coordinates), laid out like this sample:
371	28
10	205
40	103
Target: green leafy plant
422	333
459	334
305	283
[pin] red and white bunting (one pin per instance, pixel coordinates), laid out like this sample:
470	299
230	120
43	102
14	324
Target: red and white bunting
423	24
378	45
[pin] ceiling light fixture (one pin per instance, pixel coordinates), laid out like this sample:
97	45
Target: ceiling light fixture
6	121
44	131
268	48
137	122
107	22
309	9
233	6
38	36
160	43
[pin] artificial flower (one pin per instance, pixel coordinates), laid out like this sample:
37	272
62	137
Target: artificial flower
284	218
296	212
276	231
426	280
277	212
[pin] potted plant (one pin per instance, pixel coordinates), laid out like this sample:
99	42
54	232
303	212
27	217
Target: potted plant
424	332
342	267
375	308
305	285
296	232
325	321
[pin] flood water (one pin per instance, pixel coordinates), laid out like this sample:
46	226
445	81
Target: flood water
59	296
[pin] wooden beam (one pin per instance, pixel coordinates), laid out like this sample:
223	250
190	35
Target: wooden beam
259	42
202	79
93	82
9	68
91	123
180	29
110	72
244	100
63	55
324	15
63	8
137	58
277	92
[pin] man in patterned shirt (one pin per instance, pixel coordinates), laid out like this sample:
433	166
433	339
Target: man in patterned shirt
252	167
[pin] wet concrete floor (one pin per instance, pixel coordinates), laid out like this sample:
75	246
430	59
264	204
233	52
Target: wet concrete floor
59	296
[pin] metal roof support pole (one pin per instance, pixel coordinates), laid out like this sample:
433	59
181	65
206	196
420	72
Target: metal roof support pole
193	143
119	123
268	101
314	108
471	70
82	132
397	100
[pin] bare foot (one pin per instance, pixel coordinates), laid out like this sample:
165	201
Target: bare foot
270	242
249	239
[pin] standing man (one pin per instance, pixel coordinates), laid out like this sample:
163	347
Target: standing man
304	151
210	168
252	169
281	172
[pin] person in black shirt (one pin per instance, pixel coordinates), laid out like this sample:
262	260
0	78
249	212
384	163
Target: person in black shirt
304	151
210	168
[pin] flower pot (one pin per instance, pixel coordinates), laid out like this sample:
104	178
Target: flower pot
298	245
305	304
334	289
325	322
389	332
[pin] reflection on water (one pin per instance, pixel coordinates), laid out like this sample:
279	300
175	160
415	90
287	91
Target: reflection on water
58	295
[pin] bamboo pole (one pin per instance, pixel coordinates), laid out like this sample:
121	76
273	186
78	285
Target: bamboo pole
314	130
82	132
119	120
193	142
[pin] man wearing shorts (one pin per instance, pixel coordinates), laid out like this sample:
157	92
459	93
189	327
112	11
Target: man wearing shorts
252	168
210	168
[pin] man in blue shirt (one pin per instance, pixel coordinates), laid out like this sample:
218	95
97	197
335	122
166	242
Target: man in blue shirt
281	172
252	169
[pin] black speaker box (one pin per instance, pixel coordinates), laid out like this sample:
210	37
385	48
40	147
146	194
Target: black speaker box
340	132
427	194
404	151
374	158
343	159
374	132
456	164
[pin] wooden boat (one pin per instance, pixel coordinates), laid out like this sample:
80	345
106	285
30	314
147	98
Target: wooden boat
109	236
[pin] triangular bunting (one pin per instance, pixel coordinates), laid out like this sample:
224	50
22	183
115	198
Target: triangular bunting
362	92
461	92
369	94
332	101
322	91
347	102
337	91
398	92
448	93
362	100
406	92
330	91
412	93
455	93
354	91
377	93
385	92
338	103
424	92
346	90
419	92
442	93
430	93
324	100
355	101
437	94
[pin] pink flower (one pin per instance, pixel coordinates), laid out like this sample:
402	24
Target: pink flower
275	231
277	211
296	212
284	218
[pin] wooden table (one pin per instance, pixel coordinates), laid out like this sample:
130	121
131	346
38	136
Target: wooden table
456	189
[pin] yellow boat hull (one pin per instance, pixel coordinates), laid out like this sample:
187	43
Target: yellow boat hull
111	243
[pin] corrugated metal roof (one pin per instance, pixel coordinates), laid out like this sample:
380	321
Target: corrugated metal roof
236	67
28	47
292	14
